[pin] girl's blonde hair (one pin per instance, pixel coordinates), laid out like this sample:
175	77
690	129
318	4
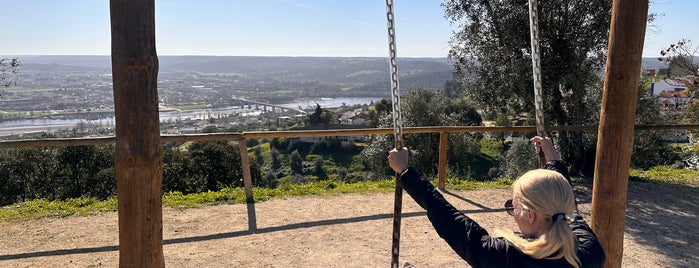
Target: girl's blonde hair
547	193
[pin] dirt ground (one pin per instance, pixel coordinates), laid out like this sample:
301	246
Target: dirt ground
351	230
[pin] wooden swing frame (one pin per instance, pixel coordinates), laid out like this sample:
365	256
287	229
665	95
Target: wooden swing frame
138	156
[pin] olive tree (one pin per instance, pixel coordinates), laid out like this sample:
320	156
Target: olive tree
421	107
491	50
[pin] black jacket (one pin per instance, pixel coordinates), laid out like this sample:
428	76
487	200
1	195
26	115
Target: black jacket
473	243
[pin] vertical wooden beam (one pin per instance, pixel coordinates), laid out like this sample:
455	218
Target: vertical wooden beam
442	168
247	176
615	133
138	151
247	182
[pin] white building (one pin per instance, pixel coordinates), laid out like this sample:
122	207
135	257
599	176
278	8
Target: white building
666	85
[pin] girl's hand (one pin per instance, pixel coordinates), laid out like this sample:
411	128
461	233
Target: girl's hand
545	144
398	159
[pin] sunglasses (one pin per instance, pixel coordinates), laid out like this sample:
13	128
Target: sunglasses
510	208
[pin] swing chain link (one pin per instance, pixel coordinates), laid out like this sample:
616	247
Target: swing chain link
395	97
398	132
536	68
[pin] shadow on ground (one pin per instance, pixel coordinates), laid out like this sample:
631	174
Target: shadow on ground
660	216
252	229
664	216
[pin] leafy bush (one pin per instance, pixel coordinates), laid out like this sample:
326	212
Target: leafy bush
341	173
296	162
422	107
520	158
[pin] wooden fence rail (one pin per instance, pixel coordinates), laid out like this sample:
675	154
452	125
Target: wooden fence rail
242	137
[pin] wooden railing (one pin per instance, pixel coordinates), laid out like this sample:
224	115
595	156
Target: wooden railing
241	137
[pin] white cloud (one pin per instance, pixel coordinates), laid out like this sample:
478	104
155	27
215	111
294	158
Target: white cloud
365	23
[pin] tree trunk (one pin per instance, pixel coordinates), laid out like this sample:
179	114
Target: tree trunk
138	152
616	128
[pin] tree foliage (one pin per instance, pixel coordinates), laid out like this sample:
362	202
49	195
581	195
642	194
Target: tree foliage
680	58
519	159
380	109
492	50
649	149
422	107
87	170
218	162
210	129
9	67
319	167
27	174
320	116
56	173
296	162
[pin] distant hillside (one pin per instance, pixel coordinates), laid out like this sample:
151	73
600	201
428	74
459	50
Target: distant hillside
653	63
430	73
273	78
335	69
97	62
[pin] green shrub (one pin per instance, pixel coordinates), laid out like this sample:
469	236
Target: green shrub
519	158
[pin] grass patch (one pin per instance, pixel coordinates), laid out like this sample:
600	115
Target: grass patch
286	92
475	185
666	175
28	89
362	73
42	208
190	107
225	74
491	147
90	206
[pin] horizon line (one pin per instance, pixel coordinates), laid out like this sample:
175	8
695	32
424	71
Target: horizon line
204	55
250	56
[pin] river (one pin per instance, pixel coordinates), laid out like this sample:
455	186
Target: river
16	127
307	104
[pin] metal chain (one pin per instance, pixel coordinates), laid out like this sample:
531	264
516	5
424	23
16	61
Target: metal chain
395	97
536	68
397	131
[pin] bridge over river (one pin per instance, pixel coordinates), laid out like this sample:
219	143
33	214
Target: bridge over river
275	107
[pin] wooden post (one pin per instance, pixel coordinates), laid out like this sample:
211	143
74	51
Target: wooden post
247	176
616	128
138	151
247	182
442	168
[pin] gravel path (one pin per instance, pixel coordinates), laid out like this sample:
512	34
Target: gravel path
351	230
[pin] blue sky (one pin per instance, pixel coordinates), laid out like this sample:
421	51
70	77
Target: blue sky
272	27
